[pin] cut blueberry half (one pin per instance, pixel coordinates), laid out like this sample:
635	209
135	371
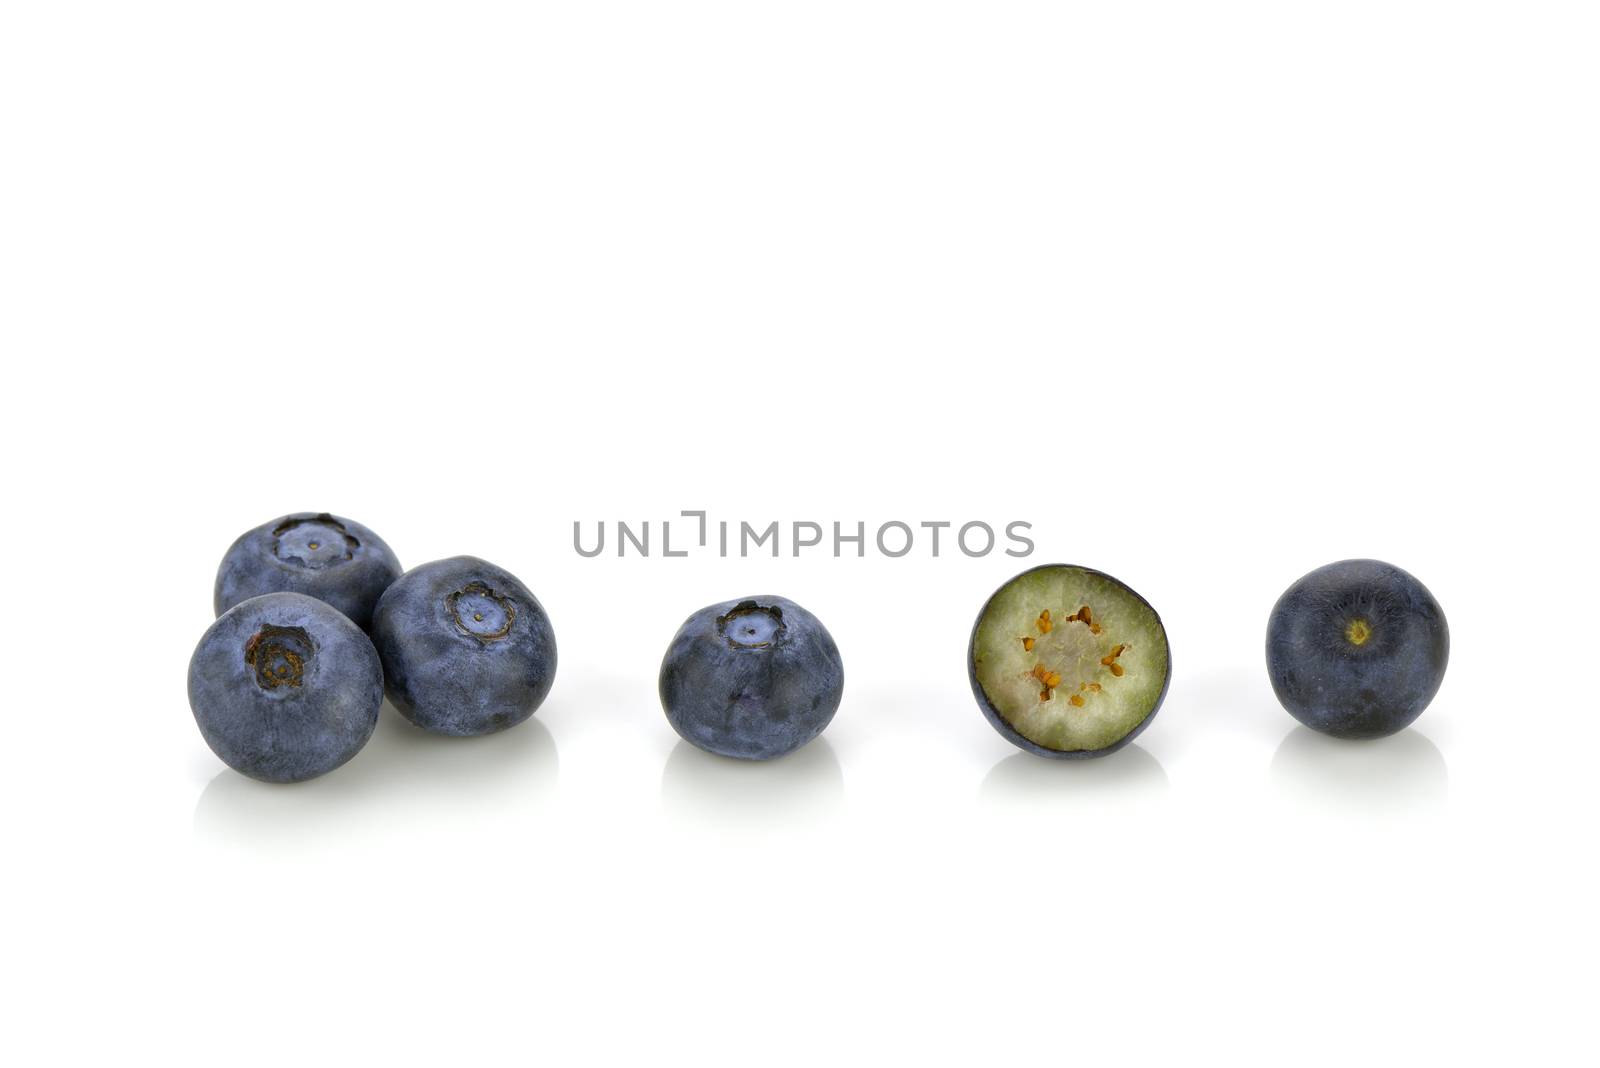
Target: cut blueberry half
1068	662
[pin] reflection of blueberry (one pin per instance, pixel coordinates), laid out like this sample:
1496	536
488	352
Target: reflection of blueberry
466	648
320	555
1357	649
285	688
753	679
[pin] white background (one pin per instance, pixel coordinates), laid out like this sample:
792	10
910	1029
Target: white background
1210	294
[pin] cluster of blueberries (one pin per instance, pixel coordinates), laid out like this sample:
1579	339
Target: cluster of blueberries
316	623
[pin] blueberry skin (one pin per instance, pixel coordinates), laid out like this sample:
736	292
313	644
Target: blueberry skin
753	679
467	649
1357	649
285	688
328	557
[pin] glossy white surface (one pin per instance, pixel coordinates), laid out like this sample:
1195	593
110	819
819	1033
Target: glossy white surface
1209	294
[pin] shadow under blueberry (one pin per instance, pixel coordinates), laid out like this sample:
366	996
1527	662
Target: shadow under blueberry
404	775
1401	771
718	789
1024	778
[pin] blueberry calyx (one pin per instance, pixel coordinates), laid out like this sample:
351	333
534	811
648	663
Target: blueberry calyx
279	655
313	543
749	625
479	612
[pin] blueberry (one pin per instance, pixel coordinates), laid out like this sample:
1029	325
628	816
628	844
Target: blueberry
1068	662
753	679
285	688
1357	649
466	648
324	556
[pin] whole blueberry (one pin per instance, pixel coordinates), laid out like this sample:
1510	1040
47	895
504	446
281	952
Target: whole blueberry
285	688
328	557
1357	649
466	648
754	678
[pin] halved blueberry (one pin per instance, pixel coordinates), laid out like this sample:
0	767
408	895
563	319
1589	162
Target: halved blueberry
1068	662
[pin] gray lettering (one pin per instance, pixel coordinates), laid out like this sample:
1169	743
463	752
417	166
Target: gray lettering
577	542
1011	532
806	544
961	538
860	539
702	517
666	540
746	530
624	533
884	549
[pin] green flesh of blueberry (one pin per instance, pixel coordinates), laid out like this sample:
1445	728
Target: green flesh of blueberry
1069	660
